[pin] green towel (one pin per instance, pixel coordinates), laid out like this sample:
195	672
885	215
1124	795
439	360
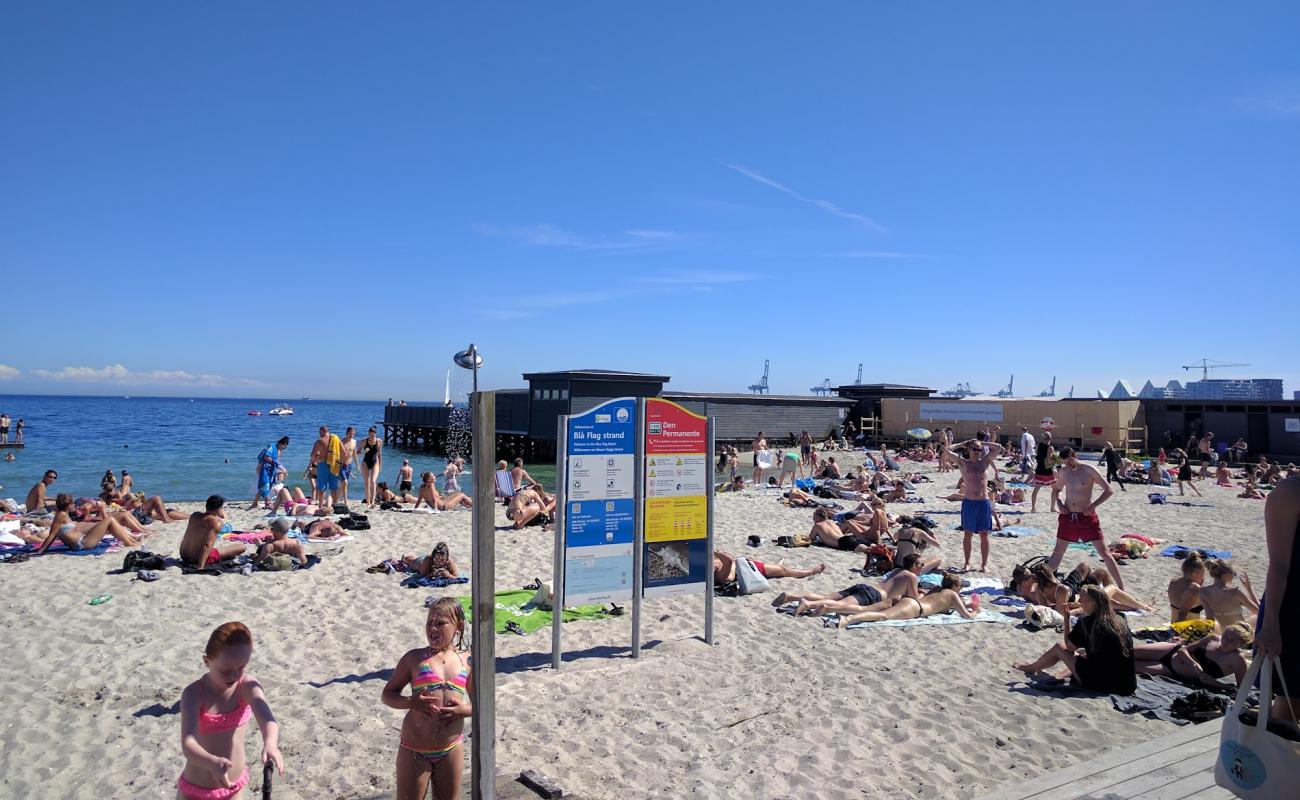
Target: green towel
513	606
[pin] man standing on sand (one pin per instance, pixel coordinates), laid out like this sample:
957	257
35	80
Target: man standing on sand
758	445
1077	519
404	477
976	507
325	455
36	502
199	543
347	455
1027	447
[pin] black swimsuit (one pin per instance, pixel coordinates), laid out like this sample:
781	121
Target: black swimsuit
371	454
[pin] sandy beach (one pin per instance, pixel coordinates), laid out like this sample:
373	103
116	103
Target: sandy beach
780	707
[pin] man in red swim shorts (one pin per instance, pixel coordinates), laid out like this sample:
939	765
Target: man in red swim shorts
1077	514
199	546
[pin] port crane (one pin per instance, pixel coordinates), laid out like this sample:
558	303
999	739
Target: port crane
761	386
1051	390
1205	365
822	389
1006	391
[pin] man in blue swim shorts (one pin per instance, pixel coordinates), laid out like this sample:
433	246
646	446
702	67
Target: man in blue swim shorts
976	507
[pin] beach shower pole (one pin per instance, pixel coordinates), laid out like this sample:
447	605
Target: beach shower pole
708	527
482	589
638	535
483	715
557	562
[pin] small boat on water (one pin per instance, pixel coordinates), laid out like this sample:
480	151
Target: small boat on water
255	413
282	410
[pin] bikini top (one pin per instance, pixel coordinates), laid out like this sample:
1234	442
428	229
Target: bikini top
229	721
427	679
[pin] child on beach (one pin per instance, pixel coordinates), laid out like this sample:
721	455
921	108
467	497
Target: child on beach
212	737
434	726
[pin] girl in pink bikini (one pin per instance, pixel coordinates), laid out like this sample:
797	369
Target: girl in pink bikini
434	727
214	711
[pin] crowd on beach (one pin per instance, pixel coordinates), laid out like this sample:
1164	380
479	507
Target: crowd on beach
910	578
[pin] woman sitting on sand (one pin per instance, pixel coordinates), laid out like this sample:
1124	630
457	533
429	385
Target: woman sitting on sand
438	564
861	596
1202	662
1098	649
530	507
81	536
937	601
386	495
1251	492
430	497
1185	592
1222	476
153	508
914	540
1224	602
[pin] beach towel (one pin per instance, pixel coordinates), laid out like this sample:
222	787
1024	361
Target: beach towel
333	453
1183	551
250	537
9	540
419	582
106	545
516	607
985	615
1017	531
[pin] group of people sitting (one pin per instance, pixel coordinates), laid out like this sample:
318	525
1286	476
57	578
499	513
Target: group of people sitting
82	523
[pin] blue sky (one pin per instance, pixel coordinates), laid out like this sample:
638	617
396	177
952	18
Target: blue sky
274	199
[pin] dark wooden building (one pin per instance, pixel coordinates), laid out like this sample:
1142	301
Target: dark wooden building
1270	427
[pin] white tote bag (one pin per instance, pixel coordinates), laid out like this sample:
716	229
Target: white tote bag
1253	763
750	579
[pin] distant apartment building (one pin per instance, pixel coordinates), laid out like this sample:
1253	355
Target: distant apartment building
1235	389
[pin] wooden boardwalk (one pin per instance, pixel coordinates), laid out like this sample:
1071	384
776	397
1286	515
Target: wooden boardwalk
1172	767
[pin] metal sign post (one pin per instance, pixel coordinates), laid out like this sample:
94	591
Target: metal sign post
482	590
708	588
557	568
638	539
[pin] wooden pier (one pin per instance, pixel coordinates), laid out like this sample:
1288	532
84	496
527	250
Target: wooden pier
1177	766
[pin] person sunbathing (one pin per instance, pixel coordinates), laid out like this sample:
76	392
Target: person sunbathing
831	470
937	601
1251	492
1041	587
386	495
797	498
83	536
1185	592
281	543
430	497
438	564
1222	476
736	484
724	569
1120	599
199	546
847	534
528	508
1224	602
154	508
902	582
297	504
1202	662
896	494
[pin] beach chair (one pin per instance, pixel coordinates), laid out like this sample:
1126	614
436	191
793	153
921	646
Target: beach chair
505	484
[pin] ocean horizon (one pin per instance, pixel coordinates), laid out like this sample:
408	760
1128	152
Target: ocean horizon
187	448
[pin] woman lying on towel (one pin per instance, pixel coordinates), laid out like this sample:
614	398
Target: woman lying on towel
861	596
1098	650
437	564
937	601
83	535
1204	661
386	495
154	508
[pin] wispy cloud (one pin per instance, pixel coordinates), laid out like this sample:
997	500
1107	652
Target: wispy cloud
7	372
881	254
700	278
1278	104
544	235
119	374
824	205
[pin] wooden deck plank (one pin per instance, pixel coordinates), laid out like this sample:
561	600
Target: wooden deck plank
1117	766
1212	793
1141	785
1184	787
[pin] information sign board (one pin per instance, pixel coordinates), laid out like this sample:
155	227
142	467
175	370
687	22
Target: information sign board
600	503
676	556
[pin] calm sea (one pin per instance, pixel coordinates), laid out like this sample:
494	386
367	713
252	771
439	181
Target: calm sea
184	449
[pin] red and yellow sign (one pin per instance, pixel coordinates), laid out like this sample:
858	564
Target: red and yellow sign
676	473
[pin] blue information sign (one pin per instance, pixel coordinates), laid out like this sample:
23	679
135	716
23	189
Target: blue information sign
600	503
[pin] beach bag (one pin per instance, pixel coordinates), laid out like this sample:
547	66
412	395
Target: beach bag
277	562
1039	617
751	581
879	560
1254	763
544	598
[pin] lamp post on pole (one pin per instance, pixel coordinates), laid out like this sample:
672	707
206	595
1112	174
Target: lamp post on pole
482	587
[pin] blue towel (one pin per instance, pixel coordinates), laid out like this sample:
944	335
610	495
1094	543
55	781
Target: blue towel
418	582
97	550
1018	531
1182	551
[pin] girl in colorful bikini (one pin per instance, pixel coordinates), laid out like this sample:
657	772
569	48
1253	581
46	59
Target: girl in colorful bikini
214	711
436	708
